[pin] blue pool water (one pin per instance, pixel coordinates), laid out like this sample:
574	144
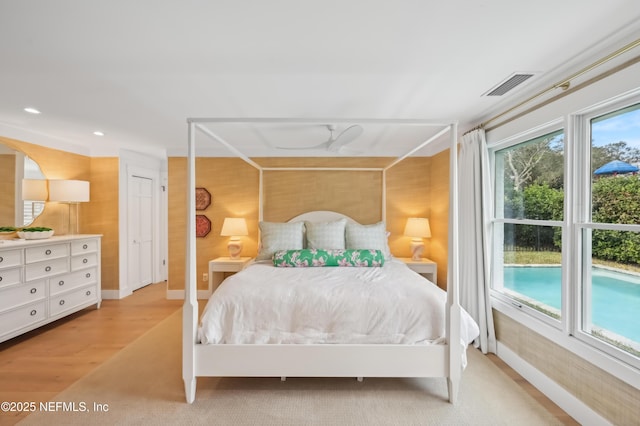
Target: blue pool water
615	295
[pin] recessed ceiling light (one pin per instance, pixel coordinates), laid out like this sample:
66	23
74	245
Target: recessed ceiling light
98	133
32	110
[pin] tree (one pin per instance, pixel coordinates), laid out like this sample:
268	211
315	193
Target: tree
601	155
540	161
521	162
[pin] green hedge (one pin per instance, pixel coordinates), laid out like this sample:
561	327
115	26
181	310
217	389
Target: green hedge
615	200
540	202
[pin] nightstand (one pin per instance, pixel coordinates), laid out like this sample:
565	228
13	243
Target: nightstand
222	267
425	267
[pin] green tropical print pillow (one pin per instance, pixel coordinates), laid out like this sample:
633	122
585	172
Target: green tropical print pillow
335	257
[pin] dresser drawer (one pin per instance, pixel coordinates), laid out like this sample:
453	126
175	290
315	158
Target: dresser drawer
84	246
84	261
21	295
83	296
10	258
73	280
10	276
22	317
53	251
49	268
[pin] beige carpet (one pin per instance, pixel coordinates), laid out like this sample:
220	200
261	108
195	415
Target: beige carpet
142	385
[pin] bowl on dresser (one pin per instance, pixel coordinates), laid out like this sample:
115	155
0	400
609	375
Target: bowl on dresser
35	235
8	235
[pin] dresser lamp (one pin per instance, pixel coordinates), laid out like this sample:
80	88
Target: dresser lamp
417	228
70	192
234	227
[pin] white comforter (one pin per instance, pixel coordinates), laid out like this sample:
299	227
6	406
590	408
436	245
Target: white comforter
391	304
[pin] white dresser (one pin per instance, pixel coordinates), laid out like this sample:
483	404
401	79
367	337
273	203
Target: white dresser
44	280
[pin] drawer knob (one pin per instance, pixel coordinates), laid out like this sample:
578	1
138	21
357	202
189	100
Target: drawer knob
0	278
84	246
88	293
33	312
61	302
88	275
85	260
48	252
1	258
48	268
33	290
61	283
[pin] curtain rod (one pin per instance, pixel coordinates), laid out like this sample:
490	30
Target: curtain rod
563	84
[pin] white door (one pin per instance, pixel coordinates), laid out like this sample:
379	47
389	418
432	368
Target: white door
141	226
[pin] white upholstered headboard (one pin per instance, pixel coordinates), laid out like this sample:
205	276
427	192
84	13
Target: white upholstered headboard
321	216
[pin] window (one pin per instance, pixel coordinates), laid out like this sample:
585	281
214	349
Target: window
571	256
529	205
609	230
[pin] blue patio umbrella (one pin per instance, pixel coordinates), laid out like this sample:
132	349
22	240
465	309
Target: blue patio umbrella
615	167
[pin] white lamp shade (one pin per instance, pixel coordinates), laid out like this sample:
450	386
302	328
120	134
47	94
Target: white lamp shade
234	227
69	191
34	190
417	227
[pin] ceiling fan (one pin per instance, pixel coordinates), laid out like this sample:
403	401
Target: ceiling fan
334	144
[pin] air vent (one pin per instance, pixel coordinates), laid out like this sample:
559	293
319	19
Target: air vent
508	84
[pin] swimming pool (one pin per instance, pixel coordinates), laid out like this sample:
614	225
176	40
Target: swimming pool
615	295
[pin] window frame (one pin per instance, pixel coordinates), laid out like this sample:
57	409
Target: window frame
498	221
567	332
583	226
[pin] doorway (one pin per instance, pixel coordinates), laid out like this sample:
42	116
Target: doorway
142	234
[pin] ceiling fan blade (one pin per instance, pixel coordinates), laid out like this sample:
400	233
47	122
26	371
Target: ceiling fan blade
345	137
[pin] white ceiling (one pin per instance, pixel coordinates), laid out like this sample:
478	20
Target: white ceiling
136	70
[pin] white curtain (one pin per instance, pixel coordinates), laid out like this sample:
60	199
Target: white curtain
475	209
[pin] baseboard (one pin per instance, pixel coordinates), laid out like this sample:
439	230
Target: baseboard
179	294
577	409
111	294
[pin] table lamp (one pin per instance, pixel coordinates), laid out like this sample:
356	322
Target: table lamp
70	192
234	227
417	228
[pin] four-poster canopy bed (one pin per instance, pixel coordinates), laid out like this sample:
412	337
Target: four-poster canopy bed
441	358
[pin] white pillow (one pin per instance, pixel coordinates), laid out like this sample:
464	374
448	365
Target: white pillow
367	237
276	236
325	235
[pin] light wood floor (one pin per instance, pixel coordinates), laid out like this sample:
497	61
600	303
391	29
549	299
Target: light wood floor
40	364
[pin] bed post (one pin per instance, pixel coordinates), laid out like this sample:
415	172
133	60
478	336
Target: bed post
190	307
453	299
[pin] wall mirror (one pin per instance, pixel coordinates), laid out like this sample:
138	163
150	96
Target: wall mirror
15	166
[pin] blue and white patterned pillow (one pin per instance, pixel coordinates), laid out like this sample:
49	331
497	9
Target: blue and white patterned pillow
276	236
325	235
372	237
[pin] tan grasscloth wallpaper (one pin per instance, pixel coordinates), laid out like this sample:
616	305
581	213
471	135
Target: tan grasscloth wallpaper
234	186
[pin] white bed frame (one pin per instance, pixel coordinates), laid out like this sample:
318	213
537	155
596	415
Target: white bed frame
317	360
